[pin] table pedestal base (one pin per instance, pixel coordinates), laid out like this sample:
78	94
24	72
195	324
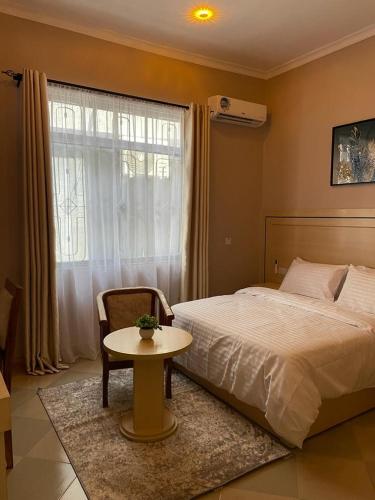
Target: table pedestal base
127	428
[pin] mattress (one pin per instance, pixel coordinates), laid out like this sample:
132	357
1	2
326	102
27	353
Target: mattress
279	352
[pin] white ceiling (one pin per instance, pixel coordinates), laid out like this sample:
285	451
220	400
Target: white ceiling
255	37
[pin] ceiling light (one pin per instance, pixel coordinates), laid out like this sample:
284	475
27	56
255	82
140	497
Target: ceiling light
203	14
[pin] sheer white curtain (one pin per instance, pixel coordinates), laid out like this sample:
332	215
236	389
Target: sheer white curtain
118	188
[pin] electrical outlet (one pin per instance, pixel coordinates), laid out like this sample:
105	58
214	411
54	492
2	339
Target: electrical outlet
228	240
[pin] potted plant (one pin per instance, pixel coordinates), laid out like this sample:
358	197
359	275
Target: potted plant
147	325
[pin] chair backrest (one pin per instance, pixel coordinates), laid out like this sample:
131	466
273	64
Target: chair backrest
7	353
124	307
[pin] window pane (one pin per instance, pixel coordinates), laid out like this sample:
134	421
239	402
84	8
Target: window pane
104	122
164	132
131	127
132	163
70	208
66	116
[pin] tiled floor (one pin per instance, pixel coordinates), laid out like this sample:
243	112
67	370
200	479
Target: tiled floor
337	465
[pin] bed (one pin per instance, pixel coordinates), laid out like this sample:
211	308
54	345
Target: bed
293	364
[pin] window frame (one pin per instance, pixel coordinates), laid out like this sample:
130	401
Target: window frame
60	137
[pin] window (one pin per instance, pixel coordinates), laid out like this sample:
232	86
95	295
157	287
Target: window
117	177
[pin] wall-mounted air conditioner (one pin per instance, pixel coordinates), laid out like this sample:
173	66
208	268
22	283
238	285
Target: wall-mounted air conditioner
227	109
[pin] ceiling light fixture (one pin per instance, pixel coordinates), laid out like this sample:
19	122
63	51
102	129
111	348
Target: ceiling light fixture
203	14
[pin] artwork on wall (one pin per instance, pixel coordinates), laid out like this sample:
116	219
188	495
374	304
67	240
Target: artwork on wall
353	153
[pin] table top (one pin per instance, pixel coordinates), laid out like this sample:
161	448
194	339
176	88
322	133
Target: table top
166	343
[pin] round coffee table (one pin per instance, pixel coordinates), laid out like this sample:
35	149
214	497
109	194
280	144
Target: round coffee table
149	420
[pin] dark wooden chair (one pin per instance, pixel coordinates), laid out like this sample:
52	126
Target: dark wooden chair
12	302
119	308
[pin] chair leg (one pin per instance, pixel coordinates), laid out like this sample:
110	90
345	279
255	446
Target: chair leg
105	387
168	383
8	449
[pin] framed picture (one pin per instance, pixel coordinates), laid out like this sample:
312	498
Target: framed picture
353	153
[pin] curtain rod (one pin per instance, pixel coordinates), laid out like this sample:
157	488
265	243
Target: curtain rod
12	74
18	78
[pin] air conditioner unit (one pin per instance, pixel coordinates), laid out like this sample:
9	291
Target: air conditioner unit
227	109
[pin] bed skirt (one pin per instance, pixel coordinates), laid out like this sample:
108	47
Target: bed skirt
332	411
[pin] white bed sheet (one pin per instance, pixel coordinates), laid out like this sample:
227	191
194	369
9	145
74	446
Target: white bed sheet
279	352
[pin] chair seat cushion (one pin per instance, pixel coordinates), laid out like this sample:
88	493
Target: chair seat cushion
5	307
113	359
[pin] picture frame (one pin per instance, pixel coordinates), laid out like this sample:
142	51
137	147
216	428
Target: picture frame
353	153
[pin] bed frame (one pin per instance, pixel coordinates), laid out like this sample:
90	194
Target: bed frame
327	236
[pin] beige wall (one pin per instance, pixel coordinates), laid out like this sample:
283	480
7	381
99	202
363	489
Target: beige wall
236	151
235	207
305	104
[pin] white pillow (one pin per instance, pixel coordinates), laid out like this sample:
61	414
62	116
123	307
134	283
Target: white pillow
5	306
320	281
358	292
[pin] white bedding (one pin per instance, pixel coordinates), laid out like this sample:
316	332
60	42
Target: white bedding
279	352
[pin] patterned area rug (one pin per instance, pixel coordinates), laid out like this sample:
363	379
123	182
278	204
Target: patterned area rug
212	445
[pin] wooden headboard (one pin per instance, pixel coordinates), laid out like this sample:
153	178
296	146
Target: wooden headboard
328	236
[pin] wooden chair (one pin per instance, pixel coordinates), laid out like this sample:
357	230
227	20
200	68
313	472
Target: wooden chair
7	353
119	308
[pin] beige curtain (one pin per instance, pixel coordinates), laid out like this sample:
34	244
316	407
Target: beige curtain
195	231
41	317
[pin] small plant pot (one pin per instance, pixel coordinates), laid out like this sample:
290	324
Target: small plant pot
146	333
